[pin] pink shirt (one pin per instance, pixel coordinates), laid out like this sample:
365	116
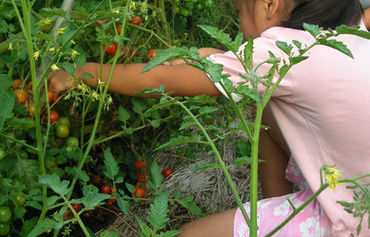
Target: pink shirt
322	107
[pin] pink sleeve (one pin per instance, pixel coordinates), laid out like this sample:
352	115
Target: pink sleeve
232	66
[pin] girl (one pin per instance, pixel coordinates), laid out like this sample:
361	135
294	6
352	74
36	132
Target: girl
320	110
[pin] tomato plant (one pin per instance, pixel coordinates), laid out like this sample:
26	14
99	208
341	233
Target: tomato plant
76	207
17	83
2	154
4	229
136	20
19	200
139	192
64	121
140	164
106	189
31	109
62	130
50	96
142	178
22	95
119	29
5	214
54	117
110	48
72	142
151	54
167	172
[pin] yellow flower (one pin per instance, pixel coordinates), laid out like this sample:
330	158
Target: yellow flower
95	95
10	48
36	55
54	67
46	21
144	6
83	88
52	49
331	176
61	30
115	11
132	5
74	53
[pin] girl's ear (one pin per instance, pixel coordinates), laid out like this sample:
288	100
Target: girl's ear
272	8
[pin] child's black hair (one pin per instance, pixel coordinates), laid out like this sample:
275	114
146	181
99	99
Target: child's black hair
324	13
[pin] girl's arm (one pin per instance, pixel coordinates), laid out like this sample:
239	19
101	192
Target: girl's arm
182	79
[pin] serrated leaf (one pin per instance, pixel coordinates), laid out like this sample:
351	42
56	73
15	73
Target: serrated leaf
178	141
7	98
42	226
28	225
298	59
206	166
158	211
124	205
163	55
53	12
107	233
92	197
87	75
123	114
188	203
343	29
19	212
202	99
51	200
169	233
145	230
82	175
246	91
218	35
207	109
186	124
68	67
248	53
156	173
340	46
314	30
286	48
54	182
130	187
35	205
138	105
111	165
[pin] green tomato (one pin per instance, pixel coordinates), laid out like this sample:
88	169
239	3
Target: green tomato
64	121
5	214
72	142
2	154
62	130
23	155
19	200
4	229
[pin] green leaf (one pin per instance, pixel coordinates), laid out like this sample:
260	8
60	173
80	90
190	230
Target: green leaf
87	75
68	67
82	175
244	148
92	197
218	35
7	99
188	203
130	187
107	233
28	225
42	226
53	12
163	55
202	99
178	141
336	45
111	165
51	200
298	59
207	109
248	54
156	173
19	212
169	233
124	205
54	182
287	49
314	30
206	166
343	29
145	230
246	91
158	211
138	105
123	114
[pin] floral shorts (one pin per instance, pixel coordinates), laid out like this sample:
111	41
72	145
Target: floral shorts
310	222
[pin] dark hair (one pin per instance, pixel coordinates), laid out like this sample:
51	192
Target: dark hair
325	13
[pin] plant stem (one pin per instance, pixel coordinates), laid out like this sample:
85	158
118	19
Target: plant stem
164	19
82	225
19	142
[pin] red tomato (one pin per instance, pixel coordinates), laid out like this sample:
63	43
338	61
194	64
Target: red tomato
54	117
166	172
119	29
139	192
112	201
140	164
29	85
110	48
17	83
106	189
142	178
96	179
50	96
136	20
22	95
76	207
151	54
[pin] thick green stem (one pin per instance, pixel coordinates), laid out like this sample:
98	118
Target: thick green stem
220	161
164	19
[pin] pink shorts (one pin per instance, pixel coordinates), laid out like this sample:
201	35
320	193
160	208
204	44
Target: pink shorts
310	222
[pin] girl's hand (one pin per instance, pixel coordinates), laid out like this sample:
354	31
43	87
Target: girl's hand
60	81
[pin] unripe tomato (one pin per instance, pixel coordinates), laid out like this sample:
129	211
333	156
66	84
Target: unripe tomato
151	54
62	131
4	229
106	189
5	214
166	172
32	110
72	142
2	154
65	121
110	48
16	83
76	207
54	117
22	95
19	200
139	192
136	20
140	164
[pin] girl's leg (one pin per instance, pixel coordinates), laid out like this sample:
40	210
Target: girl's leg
275	152
218	225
